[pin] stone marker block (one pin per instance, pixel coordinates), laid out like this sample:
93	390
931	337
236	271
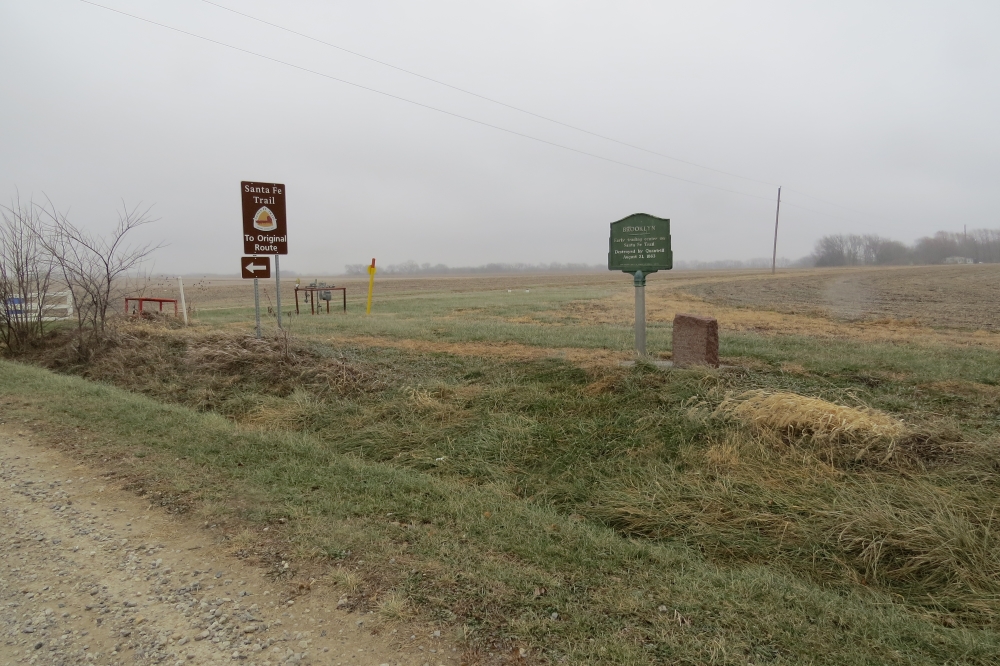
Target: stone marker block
696	341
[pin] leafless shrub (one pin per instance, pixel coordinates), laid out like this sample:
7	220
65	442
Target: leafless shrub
25	275
94	267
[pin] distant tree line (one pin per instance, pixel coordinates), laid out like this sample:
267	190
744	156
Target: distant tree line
859	250
413	268
978	245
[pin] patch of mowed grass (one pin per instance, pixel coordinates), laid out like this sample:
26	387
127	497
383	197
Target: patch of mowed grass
514	571
860	362
446	329
486	316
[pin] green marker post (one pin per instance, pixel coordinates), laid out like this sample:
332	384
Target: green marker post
639	279
640	245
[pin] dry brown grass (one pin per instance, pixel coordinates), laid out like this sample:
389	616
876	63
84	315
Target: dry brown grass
392	609
840	434
346	580
225	371
510	351
861	431
749	496
441	403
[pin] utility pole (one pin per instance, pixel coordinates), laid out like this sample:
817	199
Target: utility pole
774	254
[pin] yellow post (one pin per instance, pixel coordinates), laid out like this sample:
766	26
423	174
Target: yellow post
371	285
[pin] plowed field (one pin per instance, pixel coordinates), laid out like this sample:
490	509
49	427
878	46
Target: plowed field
961	297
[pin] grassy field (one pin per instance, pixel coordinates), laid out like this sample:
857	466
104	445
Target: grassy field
473	455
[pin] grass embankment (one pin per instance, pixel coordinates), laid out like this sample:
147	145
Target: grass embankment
491	494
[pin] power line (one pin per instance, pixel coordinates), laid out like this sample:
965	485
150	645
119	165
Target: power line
420	104
479	122
482	97
831	203
536	115
813	210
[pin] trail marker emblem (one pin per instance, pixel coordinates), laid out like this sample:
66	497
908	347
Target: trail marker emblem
264	220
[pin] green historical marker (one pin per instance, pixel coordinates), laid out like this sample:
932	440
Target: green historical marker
640	245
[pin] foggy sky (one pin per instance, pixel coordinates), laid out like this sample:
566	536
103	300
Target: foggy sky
888	109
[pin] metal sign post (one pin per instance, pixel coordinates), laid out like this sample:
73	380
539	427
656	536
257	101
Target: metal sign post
265	232
640	313
277	286
254	268
256	305
640	245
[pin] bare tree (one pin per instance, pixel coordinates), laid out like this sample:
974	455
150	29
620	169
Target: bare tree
855	250
831	251
94	267
980	245
25	274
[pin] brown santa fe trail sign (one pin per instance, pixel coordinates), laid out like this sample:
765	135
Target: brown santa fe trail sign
255	267
264	226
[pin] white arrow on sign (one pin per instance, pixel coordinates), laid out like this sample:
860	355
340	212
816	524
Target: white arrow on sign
253	268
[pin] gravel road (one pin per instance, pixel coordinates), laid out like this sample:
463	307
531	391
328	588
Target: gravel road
91	574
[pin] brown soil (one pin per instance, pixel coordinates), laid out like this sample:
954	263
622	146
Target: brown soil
955	297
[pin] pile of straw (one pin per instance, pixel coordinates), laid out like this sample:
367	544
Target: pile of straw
861	432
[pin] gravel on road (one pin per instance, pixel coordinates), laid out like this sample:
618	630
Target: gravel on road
92	574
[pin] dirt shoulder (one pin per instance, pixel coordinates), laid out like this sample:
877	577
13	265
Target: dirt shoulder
91	574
